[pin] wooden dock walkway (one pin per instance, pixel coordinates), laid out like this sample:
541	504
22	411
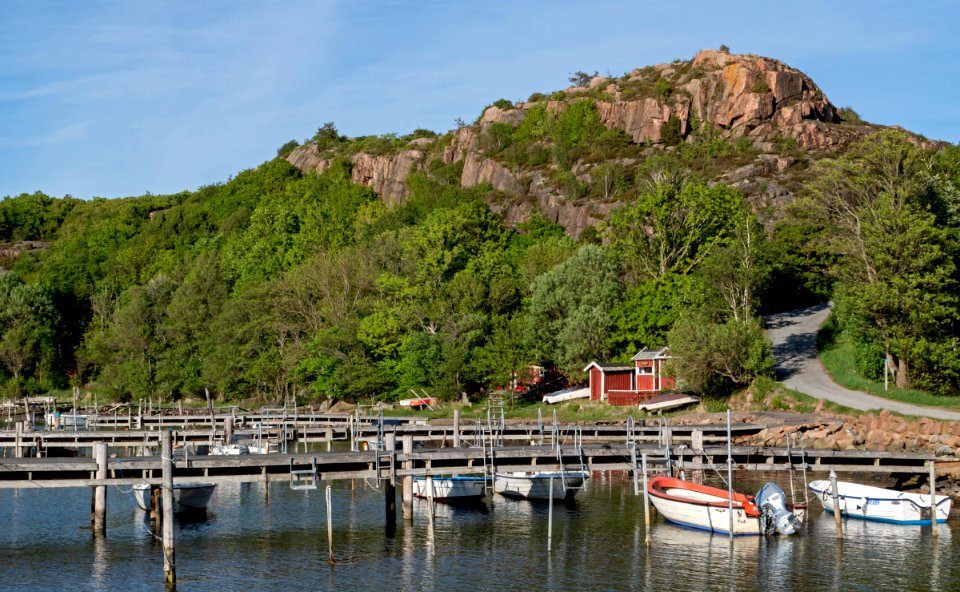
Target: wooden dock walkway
81	471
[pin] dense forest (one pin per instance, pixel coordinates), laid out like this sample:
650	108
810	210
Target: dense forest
277	284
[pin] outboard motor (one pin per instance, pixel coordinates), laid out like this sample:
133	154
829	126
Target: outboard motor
773	505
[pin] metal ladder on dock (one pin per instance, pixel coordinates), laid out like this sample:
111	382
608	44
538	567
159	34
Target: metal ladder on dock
302	479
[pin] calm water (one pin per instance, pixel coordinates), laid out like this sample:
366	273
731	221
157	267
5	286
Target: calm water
245	544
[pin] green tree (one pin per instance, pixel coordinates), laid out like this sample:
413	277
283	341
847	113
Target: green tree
28	323
569	316
894	260
671	228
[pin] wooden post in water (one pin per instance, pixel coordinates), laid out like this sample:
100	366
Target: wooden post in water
456	428
330	526
100	491
329	436
18	445
696	442
266	486
389	487
227	430
835	495
166	457
407	488
646	500
730	473
933	500
550	518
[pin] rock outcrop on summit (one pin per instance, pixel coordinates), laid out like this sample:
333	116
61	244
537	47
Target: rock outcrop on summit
777	110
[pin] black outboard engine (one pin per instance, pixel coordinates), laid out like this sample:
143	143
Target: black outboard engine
775	516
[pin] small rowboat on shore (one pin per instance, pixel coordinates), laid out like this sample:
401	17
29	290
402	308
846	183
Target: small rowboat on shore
881	505
418	402
708	508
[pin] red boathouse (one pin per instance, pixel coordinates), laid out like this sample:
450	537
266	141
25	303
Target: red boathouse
629	384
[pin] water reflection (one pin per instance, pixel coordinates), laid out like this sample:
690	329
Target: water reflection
500	545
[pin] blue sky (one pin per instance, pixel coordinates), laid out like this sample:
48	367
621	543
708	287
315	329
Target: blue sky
118	98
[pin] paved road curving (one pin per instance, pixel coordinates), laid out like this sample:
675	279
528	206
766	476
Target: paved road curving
794	336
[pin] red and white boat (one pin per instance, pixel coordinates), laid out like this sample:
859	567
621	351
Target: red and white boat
708	508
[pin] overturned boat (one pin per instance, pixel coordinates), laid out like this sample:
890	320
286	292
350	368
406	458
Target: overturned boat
708	508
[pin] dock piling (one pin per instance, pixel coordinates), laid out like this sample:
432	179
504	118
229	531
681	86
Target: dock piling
456	428
550	518
100	491
646	501
169	564
389	486
407	489
835	495
228	430
933	500
331	560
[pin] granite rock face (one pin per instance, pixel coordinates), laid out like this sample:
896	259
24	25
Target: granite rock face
741	97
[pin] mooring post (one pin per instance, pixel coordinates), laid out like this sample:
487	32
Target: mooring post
456	428
730	473
228	430
430	513
550	518
18	445
266	486
646	500
407	489
166	458
835	495
933	500
330	526
100	491
329	437
696	442
389	486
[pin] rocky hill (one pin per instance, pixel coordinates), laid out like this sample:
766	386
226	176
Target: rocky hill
745	120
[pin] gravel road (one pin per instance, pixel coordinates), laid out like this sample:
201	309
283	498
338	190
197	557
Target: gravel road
794	336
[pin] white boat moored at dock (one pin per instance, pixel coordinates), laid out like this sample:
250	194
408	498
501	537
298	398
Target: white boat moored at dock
536	485
187	497
867	502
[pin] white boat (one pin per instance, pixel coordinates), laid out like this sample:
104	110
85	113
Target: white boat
66	420
708	508
882	505
229	450
536	485
451	489
567	395
187	497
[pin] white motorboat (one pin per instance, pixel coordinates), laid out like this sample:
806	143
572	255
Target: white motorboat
708	508
451	489
882	505
59	420
187	497
229	450
536	485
